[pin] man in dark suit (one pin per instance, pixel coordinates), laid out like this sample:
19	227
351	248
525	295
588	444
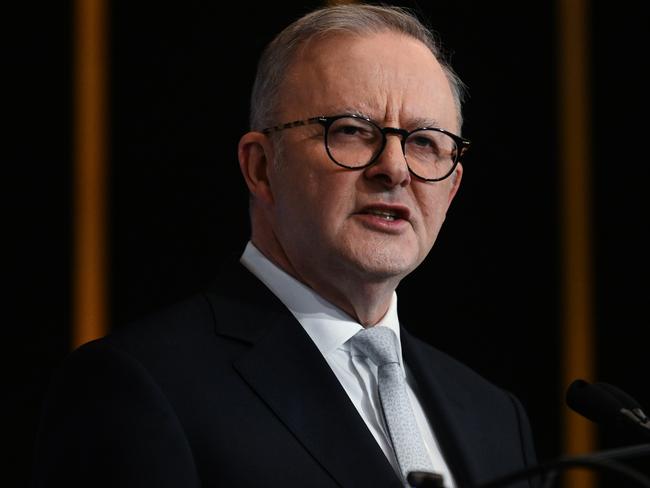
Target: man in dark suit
352	161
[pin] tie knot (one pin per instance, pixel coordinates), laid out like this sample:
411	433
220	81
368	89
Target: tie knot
378	343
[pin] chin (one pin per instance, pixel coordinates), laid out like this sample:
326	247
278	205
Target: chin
382	264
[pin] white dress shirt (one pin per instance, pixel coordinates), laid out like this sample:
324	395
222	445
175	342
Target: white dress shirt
330	328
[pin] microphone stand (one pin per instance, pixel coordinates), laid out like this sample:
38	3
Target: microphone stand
602	460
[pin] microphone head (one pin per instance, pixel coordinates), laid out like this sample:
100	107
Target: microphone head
590	401
607	405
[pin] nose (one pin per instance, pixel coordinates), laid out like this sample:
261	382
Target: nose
390	168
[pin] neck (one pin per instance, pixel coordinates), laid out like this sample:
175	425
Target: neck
364	298
366	302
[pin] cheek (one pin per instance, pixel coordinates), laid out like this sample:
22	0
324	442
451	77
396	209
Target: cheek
307	203
433	208
313	193
334	191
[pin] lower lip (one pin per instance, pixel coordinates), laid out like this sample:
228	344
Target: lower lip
376	222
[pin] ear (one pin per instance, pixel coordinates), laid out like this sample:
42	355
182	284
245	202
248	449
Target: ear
455	178
255	154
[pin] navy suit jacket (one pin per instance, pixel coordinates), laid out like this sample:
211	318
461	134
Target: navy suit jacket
226	389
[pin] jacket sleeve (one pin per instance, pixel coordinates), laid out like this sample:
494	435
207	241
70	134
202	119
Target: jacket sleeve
105	423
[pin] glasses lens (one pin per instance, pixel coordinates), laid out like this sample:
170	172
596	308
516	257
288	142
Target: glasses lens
353	142
430	154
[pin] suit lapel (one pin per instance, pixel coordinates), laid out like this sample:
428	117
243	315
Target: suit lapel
290	375
454	433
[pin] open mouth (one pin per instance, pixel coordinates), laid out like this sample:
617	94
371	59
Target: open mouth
384	214
389	213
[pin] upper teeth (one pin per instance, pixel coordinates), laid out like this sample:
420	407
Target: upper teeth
384	214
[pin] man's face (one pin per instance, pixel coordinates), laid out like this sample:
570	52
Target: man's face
359	226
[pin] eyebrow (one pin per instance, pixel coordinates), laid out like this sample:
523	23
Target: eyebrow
354	111
413	123
424	122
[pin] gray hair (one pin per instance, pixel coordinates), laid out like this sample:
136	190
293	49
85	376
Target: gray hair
349	19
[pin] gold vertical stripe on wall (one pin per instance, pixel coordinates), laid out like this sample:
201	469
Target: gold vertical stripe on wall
90	123
578	334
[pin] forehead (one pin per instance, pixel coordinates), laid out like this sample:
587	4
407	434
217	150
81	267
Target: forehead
388	76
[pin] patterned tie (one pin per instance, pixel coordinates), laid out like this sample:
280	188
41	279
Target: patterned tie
380	345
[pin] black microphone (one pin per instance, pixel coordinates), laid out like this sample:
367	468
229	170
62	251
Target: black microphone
601	403
592	402
629	403
606	404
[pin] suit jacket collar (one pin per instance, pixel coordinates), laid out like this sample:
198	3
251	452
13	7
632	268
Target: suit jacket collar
289	374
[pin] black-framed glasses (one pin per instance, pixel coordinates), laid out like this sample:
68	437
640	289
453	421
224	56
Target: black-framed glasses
355	142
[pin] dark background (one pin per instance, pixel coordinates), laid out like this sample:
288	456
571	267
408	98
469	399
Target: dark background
490	292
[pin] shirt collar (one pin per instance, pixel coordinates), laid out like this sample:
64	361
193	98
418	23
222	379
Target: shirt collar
327	325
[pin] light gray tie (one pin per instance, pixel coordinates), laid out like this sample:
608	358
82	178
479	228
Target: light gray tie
380	345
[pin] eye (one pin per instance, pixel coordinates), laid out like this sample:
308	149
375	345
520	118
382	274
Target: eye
350	130
424	142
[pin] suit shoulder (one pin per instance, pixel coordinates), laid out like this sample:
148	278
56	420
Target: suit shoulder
174	333
188	320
